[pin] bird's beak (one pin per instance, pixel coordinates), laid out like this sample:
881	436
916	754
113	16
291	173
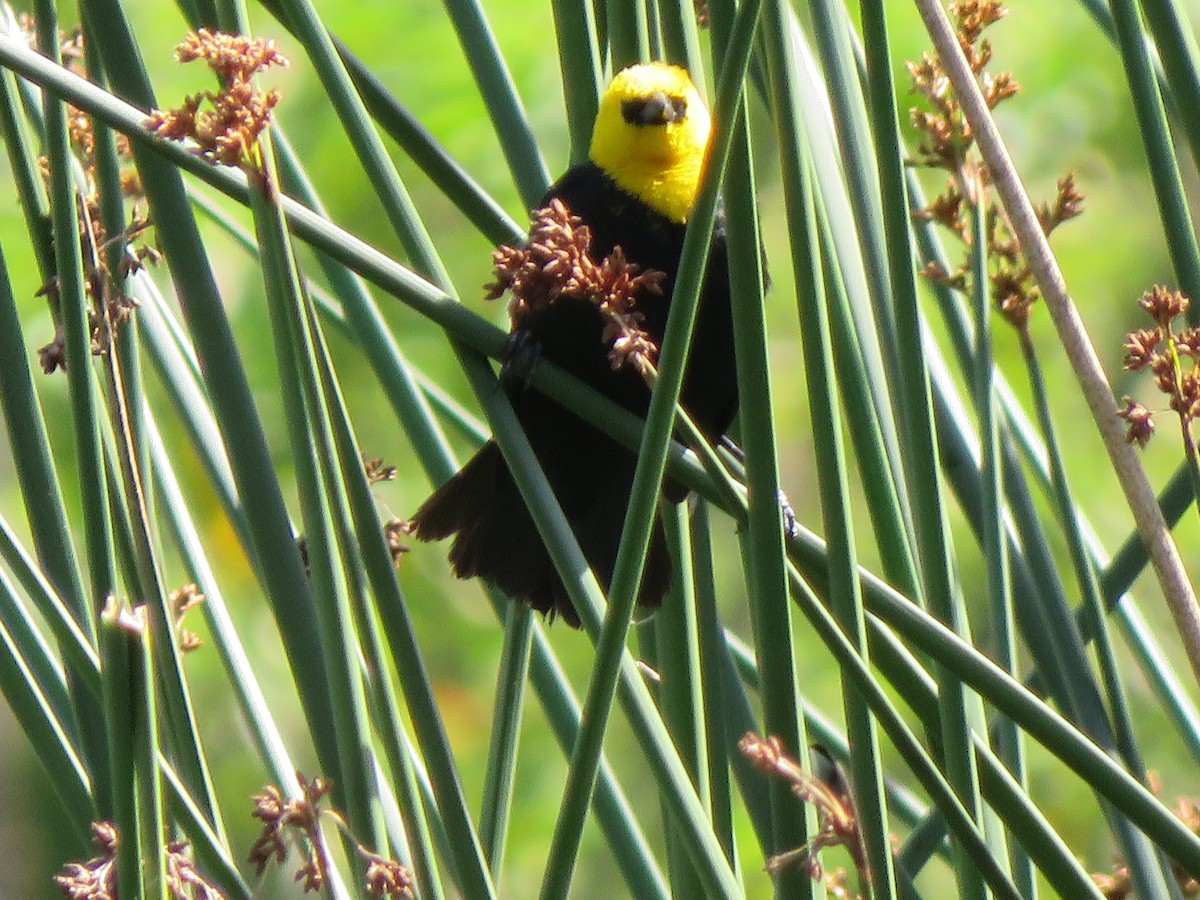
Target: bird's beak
655	109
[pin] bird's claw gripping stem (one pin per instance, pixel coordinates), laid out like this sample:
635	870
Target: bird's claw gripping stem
522	352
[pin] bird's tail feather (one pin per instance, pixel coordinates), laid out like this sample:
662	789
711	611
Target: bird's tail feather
497	540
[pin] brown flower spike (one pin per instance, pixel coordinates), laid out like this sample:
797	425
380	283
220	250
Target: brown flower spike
225	125
1173	359
555	262
946	143
281	817
97	878
835	812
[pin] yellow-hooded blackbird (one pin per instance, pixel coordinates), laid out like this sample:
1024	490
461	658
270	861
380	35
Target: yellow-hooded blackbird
635	192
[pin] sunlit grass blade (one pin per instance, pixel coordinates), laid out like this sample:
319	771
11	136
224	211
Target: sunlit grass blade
680	697
377	571
674	785
78	655
960	712
368	145
763	543
579	56
227	385
211	852
451	179
820	376
499	94
1156	139
255	710
505	738
930	776
34	712
320	508
711	651
627	571
73	311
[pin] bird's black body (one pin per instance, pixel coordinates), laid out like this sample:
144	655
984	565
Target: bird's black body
591	473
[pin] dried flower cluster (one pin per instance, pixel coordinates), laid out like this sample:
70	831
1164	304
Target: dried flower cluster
97	878
386	877
1163	351
556	263
947	142
109	305
225	125
1118	885
283	818
184	600
830	797
299	820
394	532
377	470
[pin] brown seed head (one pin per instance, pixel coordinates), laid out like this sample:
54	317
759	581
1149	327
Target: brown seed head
1141	348
386	877
1163	305
1139	421
225	125
556	262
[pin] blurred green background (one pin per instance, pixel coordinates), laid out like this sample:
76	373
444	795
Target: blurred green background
1072	115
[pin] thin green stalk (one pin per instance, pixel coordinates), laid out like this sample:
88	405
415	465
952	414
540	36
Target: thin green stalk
711	649
921	449
213	857
1151	115
499	94
242	679
225	379
126	454
863	176
995	549
627	572
151	838
843	205
451	179
76	652
372	570
904	740
580	60
675	786
500	774
628	36
681	39
308	432
375	337
70	291
677	663
845	597
398	206
22	164
1177	589
763	543
48	677
927	635
1085	571
34	713
629	846
454	182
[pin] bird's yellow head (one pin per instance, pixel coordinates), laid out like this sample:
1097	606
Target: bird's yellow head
650	136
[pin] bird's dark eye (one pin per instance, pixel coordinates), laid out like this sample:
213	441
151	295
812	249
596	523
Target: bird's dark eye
655	109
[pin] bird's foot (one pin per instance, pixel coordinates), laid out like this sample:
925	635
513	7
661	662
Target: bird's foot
522	352
791	528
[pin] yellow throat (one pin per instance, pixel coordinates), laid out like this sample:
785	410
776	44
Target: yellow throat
650	136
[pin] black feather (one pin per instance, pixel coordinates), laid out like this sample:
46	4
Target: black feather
592	475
